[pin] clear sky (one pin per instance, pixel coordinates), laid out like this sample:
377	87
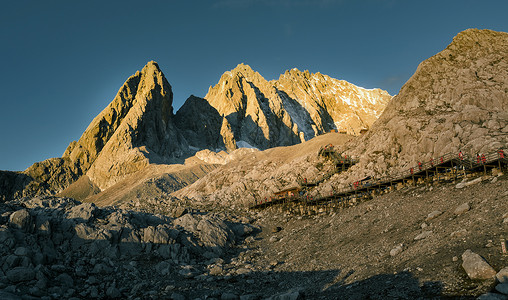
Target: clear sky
62	62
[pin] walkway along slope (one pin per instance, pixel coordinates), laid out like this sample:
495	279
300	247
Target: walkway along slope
446	167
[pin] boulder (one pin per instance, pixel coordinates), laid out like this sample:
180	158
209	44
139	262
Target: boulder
502	288
502	275
20	219
20	274
82	212
476	267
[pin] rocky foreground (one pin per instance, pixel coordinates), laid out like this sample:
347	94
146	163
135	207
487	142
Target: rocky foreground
420	242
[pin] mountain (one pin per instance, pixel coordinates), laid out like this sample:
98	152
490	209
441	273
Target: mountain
139	128
295	108
457	100
133	131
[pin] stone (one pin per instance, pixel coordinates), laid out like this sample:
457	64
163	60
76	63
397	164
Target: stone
21	251
395	251
491	296
459	233
8	296
502	275
476	267
113	292
289	295
502	288
176	296
65	280
216	270
178	212
82	212
423	235
20	274
462	209
250	297
243	271
20	219
229	296
433	214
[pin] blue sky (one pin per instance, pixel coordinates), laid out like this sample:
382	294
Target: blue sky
64	61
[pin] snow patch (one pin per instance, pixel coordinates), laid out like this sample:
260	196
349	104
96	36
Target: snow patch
244	144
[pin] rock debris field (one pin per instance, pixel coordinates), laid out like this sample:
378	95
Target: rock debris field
423	242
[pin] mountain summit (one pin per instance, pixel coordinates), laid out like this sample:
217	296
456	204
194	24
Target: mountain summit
296	107
135	129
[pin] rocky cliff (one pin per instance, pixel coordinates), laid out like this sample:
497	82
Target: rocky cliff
457	100
292	109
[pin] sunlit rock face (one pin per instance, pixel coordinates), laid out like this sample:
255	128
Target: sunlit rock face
139	128
294	108
136	129
457	100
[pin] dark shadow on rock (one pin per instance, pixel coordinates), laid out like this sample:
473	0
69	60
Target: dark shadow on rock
12	184
115	253
200	124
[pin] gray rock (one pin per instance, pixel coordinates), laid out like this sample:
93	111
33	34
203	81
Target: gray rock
176	296
20	274
188	271
178	212
250	297
502	288
462	209
243	271
289	295
214	233
156	235
113	292
65	280
395	251
8	296
229	296
101	269
216	270
163	268
433	214
273	239
94	292
476	267
82	213
21	251
491	296
459	233
20	219
502	275
423	235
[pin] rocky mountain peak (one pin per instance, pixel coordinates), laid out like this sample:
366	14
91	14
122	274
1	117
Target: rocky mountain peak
133	130
455	101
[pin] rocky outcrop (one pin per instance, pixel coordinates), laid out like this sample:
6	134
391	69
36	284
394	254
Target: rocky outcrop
47	177
200	124
295	108
332	103
146	135
59	247
456	100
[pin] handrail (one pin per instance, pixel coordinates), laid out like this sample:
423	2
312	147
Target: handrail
465	161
